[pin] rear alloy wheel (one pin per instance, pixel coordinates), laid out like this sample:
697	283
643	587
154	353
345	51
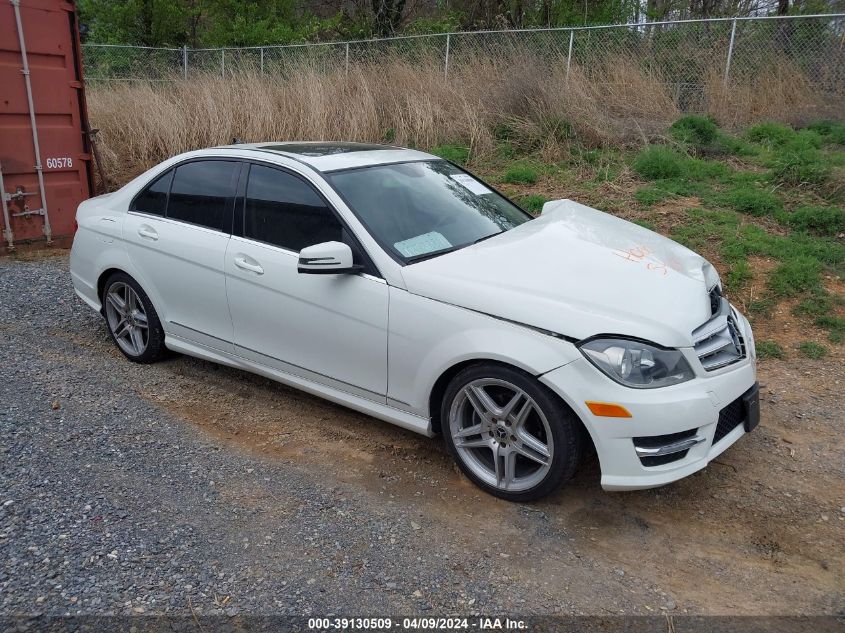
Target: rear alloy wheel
509	433
133	323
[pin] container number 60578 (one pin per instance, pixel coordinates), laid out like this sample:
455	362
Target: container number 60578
59	162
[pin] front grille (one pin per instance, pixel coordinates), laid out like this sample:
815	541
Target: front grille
729	418
715	299
718	342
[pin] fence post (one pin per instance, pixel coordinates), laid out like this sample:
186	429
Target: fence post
262	59
223	62
184	61
569	55
730	52
446	64
347	58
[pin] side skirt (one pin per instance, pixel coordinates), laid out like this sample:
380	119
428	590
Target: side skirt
377	410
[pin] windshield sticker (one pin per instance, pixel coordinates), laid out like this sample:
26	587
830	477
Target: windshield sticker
422	244
468	182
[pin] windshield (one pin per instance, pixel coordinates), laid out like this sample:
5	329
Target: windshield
422	209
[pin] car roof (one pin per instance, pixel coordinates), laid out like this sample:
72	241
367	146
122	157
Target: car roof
334	155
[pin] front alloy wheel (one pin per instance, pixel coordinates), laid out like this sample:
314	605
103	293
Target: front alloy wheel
509	433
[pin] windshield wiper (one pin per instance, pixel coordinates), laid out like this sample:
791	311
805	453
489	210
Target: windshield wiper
443	251
424	256
487	237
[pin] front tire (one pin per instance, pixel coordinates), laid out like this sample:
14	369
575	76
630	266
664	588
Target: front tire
511	435
132	321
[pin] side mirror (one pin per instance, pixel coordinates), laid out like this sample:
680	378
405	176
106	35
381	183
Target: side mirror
328	258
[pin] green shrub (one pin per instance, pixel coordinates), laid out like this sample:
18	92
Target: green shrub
727	144
770	133
824	128
694	130
505	149
504	131
657	162
804	139
768	349
532	203
521	173
795	276
821	220
796	167
830	131
750	200
456	153
812	350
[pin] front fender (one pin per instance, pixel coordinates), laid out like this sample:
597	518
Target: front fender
427	338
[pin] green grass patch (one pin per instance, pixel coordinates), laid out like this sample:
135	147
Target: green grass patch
835	326
817	305
769	349
812	350
794	276
800	166
815	219
732	145
533	203
706	170
695	131
651	195
805	139
750	200
739	274
771	134
829	131
522	174
659	162
456	153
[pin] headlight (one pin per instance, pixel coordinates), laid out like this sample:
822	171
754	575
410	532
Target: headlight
637	364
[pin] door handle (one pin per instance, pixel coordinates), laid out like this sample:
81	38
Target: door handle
147	232
241	261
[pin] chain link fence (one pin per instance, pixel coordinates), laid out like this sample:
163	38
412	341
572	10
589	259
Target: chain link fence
686	54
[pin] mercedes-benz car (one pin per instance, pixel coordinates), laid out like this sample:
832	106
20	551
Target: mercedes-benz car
398	284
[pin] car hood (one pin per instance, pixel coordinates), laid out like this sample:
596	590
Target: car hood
578	272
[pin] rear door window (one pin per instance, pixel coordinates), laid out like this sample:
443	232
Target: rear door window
202	192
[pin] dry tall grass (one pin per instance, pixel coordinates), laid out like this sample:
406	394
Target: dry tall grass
410	103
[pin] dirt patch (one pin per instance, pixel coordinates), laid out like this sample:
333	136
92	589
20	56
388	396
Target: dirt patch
765	516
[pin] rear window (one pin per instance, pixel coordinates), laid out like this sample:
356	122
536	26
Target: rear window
153	199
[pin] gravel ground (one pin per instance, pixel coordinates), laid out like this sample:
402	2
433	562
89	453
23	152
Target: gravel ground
182	486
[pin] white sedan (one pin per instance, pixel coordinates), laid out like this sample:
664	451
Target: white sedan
397	284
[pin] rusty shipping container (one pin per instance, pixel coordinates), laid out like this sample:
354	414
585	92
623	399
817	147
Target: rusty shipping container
45	159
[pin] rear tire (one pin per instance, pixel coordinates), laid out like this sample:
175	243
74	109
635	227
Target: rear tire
132	320
510	434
